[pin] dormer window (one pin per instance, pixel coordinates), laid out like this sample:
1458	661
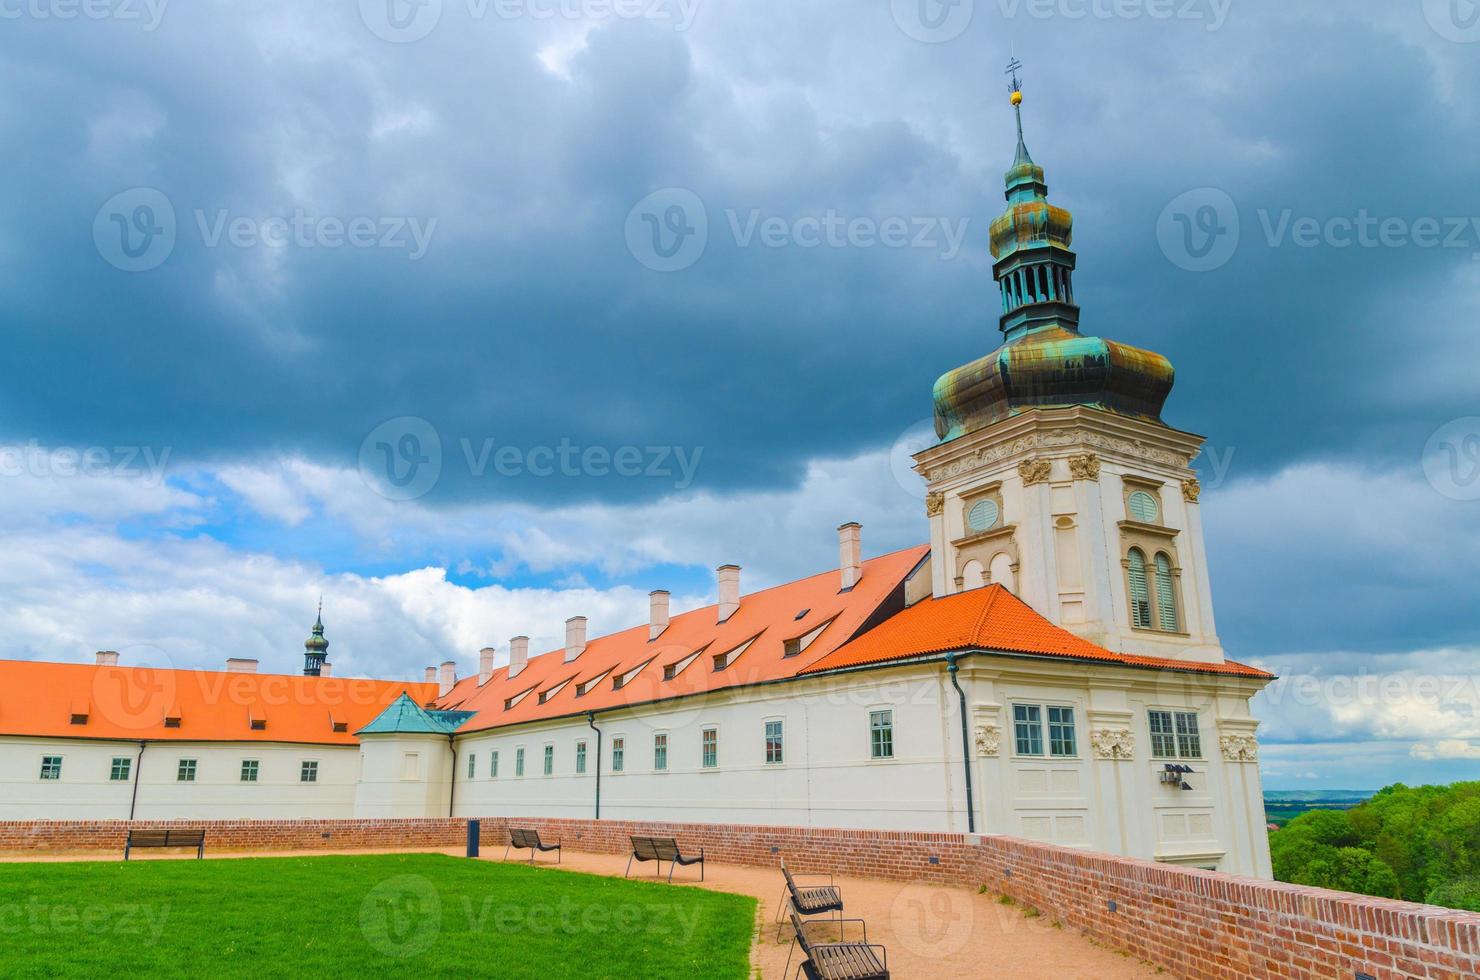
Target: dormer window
585	687
723	660
677	667
549	693
511	702
341	726
622	680
792	647
259	724
78	718
172	721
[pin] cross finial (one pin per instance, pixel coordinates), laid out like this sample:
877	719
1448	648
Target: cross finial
1013	67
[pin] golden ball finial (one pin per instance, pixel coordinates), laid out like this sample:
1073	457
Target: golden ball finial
1017	98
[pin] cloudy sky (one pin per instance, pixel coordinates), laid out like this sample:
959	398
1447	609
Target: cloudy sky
472	315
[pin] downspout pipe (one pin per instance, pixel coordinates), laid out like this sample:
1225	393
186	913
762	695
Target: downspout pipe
133	803
591	720
452	783
951	669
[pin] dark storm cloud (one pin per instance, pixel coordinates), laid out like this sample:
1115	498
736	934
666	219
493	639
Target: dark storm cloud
528	321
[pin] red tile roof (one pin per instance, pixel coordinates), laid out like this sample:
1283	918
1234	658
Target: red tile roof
40	699
991	618
753	640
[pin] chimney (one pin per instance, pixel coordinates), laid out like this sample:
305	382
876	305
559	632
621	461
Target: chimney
729	590
657	612
107	658
431	675
240	665
327	670
446	678
485	665
518	655
575	637
850	553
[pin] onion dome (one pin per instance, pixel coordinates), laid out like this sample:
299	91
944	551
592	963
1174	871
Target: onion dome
1044	361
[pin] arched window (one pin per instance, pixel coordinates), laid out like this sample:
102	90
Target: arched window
973	576
1001	571
1140	595
1166	595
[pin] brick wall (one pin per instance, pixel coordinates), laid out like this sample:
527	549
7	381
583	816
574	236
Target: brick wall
1197	924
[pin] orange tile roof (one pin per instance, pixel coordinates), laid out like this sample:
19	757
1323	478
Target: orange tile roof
39	699
758	630
990	619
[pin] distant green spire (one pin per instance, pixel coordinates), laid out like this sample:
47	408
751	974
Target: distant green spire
315	648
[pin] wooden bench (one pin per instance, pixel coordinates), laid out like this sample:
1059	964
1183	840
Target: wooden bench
521	838
166	838
813	900
662	849
837	961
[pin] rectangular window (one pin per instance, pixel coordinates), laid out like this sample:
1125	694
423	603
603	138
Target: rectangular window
185	773
308	772
549	760
122	767
519	761
411	765
493	765
1060	730
472	766
1174	735
881	734
710	743
619	748
775	743
1189	742
1027	721
580	758
660	752
249	770
51	767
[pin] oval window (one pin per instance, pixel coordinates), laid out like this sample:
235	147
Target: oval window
1143	507
982	516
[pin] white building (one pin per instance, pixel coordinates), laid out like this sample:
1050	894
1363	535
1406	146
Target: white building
1047	666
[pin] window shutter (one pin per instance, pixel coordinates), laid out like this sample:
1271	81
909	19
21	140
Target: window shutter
1143	507
1166	596
1140	596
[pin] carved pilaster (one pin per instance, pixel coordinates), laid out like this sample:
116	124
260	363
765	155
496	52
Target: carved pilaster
988	741
934	502
1084	466
1191	489
1034	470
1113	743
1239	748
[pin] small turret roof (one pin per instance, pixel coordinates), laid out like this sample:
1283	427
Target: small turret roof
404	715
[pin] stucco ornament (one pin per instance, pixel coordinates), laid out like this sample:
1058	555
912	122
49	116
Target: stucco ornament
1113	743
988	740
1239	748
1085	466
1190	490
934	502
1034	470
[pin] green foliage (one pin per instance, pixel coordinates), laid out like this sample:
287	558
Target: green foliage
1406	842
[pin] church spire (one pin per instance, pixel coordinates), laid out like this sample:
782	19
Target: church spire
315	648
1016	97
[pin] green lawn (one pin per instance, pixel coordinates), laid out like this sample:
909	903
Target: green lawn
419	915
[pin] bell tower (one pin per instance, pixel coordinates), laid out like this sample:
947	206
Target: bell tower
1055	475
315	648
